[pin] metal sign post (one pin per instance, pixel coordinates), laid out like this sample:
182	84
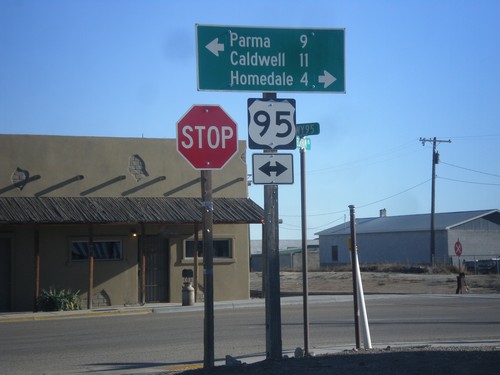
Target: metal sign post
272	262
208	268
207	138
354	257
301	131
268	60
305	285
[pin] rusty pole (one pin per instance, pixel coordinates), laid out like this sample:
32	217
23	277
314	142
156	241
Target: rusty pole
143	264
195	259
37	267
91	266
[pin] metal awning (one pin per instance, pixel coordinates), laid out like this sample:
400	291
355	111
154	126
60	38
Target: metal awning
104	210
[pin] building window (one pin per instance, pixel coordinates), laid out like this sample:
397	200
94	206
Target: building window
222	248
335	253
103	250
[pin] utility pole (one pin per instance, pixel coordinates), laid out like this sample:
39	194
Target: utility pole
435	160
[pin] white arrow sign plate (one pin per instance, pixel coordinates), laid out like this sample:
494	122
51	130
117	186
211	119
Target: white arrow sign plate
272	168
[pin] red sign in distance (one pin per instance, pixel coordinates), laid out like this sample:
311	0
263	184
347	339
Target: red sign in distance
207	137
458	248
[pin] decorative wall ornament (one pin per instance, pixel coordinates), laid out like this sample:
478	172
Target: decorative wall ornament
20	178
137	167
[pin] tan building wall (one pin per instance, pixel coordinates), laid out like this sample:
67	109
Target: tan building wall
105	164
57	166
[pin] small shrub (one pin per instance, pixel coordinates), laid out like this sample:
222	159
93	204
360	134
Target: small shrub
58	300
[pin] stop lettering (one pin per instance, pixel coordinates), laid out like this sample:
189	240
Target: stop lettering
214	136
207	137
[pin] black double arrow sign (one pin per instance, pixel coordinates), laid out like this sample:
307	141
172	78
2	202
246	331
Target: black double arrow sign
278	168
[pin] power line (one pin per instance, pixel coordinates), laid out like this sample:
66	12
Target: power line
367	204
368	160
471	170
467	182
292	227
475	136
395	195
329	223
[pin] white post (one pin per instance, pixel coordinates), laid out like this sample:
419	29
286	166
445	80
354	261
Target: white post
363	316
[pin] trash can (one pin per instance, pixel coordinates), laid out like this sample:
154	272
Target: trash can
187	288
187	294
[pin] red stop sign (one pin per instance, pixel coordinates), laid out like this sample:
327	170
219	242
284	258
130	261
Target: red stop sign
207	137
458	248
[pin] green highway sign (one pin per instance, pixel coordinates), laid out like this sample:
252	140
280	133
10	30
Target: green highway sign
311	128
266	59
303	143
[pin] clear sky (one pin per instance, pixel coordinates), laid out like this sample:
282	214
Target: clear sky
414	69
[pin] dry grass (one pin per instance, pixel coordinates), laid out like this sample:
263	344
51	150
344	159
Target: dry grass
382	279
398	268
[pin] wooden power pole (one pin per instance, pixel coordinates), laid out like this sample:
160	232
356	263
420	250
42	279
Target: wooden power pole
435	160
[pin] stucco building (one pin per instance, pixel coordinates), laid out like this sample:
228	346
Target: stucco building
116	219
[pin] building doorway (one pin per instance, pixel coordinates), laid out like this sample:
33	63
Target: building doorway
156	254
5	273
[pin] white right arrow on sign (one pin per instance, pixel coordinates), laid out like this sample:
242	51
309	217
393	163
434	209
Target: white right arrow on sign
326	78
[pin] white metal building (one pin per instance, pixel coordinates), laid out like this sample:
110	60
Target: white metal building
406	239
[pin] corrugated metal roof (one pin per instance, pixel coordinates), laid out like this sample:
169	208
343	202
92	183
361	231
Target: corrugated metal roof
407	223
80	210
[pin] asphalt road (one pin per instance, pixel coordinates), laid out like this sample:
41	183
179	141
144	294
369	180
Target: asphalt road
154	342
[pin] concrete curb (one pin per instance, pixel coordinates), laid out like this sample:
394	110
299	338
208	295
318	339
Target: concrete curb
24	317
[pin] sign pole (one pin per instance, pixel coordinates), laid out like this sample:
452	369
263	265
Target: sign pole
195	258
305	286
208	253
354	260
272	277
207	138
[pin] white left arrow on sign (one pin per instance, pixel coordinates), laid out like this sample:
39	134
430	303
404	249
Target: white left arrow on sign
215	47
326	78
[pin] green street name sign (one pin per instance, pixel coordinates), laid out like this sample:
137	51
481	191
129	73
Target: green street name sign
235	58
311	128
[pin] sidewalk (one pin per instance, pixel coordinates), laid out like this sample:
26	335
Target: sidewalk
160	308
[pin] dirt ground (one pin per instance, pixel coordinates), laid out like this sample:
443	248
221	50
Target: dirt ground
482	360
397	361
379	283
